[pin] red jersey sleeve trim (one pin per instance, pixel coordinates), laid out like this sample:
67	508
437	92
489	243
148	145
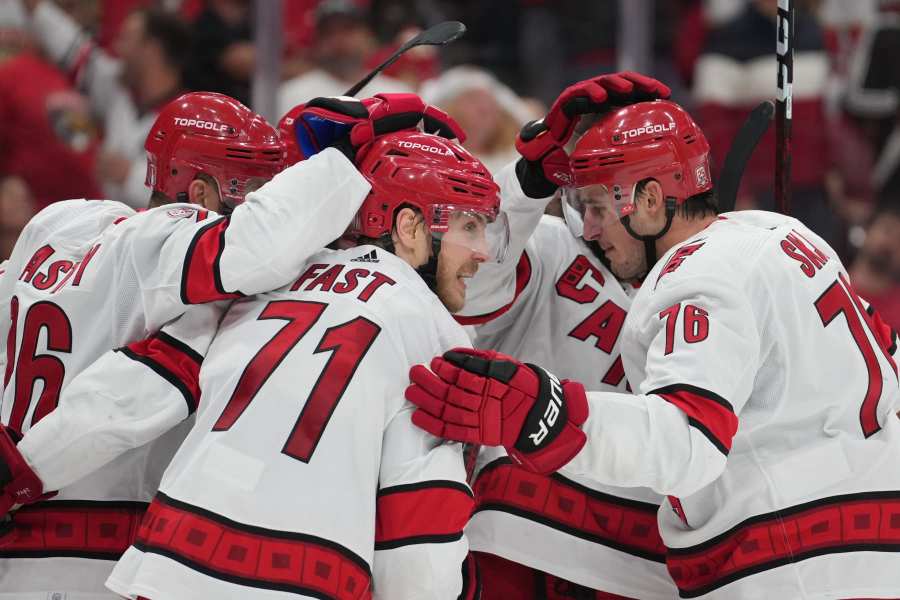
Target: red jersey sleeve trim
707	412
523	276
201	278
421	513
174	361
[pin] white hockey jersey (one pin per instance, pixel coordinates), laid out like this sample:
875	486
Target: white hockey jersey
765	408
304	476
561	308
89	276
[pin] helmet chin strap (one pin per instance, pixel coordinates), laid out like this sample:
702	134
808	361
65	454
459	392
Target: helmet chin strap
428	271
650	240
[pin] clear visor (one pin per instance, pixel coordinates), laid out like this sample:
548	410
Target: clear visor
484	233
595	206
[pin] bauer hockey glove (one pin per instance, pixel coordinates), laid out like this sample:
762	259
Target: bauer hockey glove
542	143
350	125
18	482
484	397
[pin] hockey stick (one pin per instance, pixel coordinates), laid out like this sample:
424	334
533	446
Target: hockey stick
739	153
784	50
440	34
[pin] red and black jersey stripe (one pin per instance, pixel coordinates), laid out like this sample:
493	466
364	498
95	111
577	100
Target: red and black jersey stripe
887	337
427	512
864	522
173	360
523	276
471	576
252	556
707	412
201	278
625	525
98	530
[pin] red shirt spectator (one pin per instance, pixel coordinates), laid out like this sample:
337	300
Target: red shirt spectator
45	131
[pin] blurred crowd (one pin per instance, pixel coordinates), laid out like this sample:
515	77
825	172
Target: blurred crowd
80	82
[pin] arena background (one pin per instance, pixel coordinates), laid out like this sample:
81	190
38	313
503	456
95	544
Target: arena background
80	81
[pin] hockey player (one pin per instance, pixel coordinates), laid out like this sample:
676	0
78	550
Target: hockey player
304	476
88	276
764	392
559	306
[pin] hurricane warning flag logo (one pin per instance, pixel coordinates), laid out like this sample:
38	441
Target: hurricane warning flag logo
700	176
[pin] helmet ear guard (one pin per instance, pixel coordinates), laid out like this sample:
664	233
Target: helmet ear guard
213	134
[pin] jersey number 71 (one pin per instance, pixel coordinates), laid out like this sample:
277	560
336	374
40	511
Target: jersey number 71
348	344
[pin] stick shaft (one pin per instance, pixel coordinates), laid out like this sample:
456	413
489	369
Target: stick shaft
783	105
365	80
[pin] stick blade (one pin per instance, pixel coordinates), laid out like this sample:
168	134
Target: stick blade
442	33
746	140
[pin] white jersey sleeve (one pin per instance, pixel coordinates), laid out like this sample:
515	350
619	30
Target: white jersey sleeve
675	434
497	285
422	505
259	247
127	398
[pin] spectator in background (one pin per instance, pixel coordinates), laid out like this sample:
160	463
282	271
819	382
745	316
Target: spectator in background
736	71
344	41
47	137
16	209
873	96
124	93
489	112
222	55
875	272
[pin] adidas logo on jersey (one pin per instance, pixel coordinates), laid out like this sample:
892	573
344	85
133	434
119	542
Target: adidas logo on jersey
368	257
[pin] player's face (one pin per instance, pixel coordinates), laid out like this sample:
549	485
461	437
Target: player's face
603	225
463	248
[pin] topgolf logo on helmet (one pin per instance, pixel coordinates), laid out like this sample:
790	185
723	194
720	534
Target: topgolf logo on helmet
182	122
424	148
652	128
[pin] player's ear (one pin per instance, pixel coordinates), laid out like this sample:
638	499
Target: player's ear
410	238
204	193
652	196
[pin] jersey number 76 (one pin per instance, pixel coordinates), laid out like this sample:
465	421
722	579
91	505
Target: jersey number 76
838	299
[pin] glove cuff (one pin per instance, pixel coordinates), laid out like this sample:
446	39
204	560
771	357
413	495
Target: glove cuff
533	180
556	455
560	446
19	484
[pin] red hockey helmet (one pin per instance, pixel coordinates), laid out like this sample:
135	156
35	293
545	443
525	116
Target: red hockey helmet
289	136
204	132
439	178
657	139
